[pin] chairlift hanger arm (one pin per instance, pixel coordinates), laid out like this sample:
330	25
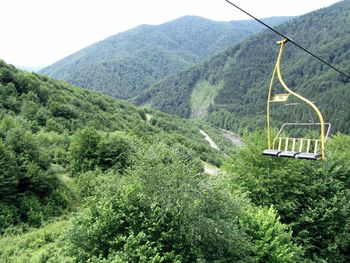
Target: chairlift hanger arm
277	70
312	105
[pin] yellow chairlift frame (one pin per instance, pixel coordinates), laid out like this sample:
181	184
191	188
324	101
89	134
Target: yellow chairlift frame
272	148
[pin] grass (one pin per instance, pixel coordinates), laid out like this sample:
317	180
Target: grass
38	245
202	97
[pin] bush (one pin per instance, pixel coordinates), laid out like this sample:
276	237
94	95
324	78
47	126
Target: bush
30	193
8	173
84	150
90	150
8	216
115	150
164	209
271	239
38	245
313	197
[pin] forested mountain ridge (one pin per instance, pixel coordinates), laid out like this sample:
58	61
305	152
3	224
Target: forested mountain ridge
238	77
125	64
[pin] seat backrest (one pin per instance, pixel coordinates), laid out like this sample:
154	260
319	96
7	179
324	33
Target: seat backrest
297	144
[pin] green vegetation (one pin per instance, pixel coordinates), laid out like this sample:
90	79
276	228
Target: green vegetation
202	98
137	185
128	63
50	130
38	245
312	197
245	71
88	178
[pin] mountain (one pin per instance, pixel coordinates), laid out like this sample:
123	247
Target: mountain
38	103
125	64
230	89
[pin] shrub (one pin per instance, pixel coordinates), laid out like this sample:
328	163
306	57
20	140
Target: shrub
164	209
84	150
115	150
313	197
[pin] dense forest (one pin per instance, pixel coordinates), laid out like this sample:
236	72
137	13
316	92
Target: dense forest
125	64
240	75
40	120
87	178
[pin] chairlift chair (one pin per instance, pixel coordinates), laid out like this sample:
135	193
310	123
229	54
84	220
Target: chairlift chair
292	147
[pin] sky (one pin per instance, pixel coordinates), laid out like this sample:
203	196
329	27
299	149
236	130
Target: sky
37	33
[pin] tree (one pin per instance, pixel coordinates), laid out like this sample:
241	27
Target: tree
272	240
115	150
8	173
84	150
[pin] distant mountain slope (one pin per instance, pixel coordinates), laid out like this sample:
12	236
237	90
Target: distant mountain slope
127	63
240	75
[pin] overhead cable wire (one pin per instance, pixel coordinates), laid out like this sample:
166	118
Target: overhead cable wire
290	40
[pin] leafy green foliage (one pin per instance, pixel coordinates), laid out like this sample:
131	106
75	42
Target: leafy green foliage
125	64
116	150
30	191
8	180
166	210
39	245
90	150
312	197
83	150
271	238
49	130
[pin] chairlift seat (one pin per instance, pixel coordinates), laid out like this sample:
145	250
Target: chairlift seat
290	154
308	156
271	152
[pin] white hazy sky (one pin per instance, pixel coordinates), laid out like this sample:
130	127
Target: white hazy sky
37	33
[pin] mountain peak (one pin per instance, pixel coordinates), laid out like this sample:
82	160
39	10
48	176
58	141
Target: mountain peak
127	63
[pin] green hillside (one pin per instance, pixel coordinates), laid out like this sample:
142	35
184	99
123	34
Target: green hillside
66	152
125	64
39	119
240	75
88	178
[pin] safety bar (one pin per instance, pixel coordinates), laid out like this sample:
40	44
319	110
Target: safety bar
305	124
